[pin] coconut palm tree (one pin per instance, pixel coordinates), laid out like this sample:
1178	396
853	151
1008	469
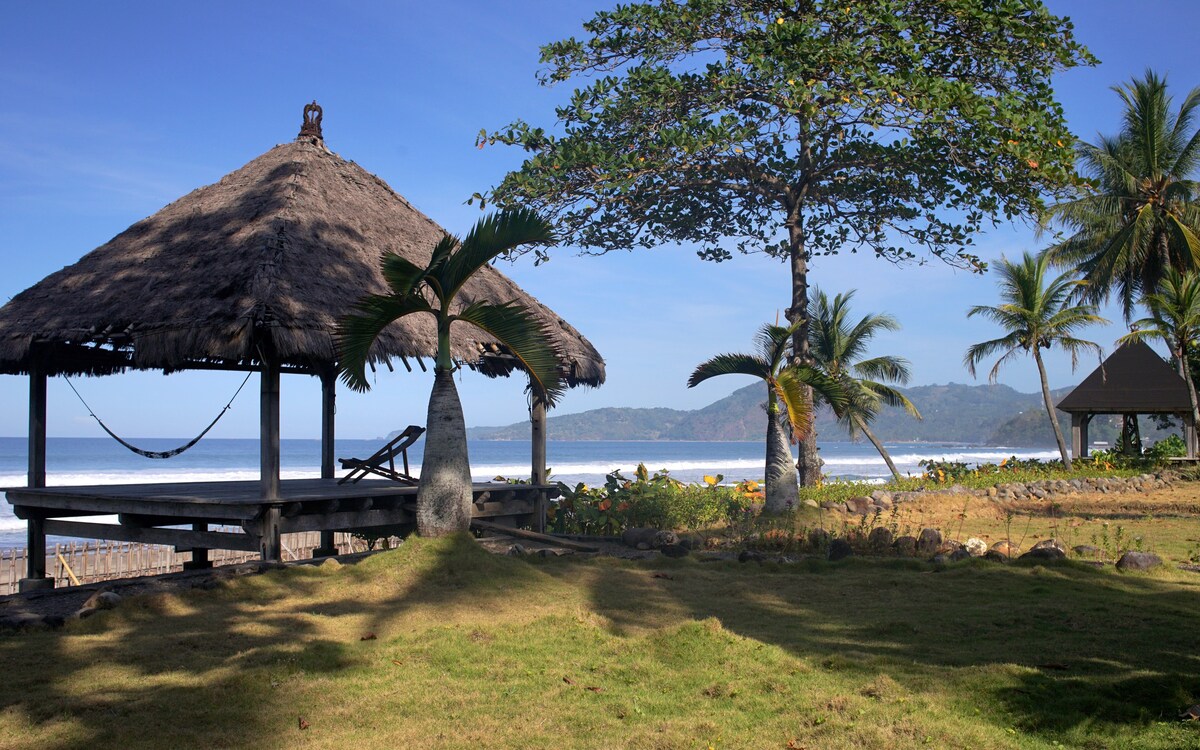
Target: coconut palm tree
1036	316
786	405
444	493
837	349
1175	320
1135	213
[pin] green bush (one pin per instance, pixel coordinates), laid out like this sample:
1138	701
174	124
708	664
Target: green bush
656	501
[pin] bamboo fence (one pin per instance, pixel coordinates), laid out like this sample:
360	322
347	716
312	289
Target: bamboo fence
81	562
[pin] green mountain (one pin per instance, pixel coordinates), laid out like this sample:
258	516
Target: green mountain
988	414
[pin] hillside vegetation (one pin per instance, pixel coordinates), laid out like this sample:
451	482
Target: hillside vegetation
986	414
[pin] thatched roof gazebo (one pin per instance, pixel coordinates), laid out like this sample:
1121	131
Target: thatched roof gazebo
1132	381
252	273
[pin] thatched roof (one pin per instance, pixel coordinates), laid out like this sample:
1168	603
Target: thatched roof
267	259
1133	380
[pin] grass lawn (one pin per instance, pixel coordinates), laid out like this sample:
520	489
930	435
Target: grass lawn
440	644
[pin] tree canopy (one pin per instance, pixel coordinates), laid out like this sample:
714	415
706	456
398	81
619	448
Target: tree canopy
869	124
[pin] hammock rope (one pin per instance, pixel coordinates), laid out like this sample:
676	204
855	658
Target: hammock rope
158	454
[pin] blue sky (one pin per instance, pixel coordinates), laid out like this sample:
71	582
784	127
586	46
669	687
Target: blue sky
109	111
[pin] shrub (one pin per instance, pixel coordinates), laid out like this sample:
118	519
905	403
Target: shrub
658	501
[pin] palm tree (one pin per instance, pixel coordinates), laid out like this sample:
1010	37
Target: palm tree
444	493
786	406
1175	320
1135	215
1036	315
837	349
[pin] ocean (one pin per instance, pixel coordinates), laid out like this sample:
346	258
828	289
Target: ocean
76	461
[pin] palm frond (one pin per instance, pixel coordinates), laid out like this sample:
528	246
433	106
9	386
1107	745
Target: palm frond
357	331
492	236
730	364
524	337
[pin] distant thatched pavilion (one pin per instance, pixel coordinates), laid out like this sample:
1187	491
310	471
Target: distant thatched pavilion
1132	381
252	273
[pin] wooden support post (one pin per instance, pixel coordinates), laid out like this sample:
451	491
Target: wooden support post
1079	434
270	547
199	559
35	557
1189	434
537	434
268	447
328	546
35	568
37	428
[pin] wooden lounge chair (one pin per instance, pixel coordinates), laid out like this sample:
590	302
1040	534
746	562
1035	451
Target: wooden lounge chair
383	462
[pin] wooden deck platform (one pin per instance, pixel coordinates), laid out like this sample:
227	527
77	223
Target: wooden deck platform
147	512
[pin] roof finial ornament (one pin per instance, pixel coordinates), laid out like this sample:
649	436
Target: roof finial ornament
312	121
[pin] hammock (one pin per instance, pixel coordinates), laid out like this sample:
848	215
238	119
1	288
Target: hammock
159	454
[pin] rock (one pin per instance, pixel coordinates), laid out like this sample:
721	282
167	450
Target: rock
808	502
992	492
880	538
839	549
835	507
517	550
634	536
749	555
818	538
545	552
665	539
905	545
1050	544
996	556
1043	553
883	503
674	550
1006	548
860	505
959	554
976	546
929	540
949	546
881	496
1087	550
643	546
1133	560
102	600
939	559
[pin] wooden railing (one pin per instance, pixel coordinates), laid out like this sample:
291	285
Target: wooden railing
82	562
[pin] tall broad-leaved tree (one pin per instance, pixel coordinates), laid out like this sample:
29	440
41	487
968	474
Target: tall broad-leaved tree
444	492
798	129
1036	313
839	349
788	413
1134	215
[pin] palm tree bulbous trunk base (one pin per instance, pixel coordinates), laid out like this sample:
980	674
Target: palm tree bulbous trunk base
780	491
444	494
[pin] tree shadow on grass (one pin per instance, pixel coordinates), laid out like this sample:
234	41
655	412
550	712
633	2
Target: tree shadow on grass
233	667
1059	649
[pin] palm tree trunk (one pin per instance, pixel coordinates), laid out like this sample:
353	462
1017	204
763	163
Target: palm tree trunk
1058	436
444	494
780	491
887	459
1185	372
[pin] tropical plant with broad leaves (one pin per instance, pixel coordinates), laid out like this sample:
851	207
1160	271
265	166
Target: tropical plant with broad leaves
444	493
839	349
1134	215
1175	320
1036	314
787	409
799	129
